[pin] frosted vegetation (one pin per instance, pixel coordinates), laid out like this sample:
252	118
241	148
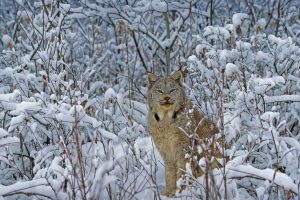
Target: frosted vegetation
73	106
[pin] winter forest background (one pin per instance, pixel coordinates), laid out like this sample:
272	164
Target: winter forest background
73	95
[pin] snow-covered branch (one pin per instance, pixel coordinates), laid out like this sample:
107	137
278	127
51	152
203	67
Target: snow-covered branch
271	175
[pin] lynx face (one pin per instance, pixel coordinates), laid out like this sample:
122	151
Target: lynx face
166	94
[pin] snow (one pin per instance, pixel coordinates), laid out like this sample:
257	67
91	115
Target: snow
232	124
65	7
192	58
8	141
108	135
110	94
265	57
145	149
38	186
15	122
199	49
261	23
26	107
140	107
269	116
8	71
42	155
271	175
262	85
6	39
20	2
274	39
281	98
46	2
231	69
3	133
159	6
238	18
71	70
291	141
102	179
214	33
11	96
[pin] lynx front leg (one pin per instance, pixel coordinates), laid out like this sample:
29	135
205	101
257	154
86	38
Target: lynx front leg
180	166
180	171
170	171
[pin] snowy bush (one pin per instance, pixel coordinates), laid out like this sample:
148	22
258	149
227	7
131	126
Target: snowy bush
251	86
72	95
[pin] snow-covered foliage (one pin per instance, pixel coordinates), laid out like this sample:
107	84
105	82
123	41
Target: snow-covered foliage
72	95
252	85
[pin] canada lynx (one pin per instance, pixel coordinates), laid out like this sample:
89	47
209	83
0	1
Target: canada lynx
172	120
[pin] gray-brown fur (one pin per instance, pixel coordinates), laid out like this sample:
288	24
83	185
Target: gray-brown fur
171	119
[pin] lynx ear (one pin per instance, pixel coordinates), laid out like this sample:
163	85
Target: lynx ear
151	79
178	77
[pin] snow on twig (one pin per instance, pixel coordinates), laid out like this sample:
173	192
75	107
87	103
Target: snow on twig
279	178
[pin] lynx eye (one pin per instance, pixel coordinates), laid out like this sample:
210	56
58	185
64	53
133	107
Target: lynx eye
159	91
173	90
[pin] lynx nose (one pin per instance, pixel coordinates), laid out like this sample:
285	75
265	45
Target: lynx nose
167	98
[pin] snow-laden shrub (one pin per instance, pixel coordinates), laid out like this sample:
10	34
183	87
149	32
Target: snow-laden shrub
251	88
70	130
72	101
